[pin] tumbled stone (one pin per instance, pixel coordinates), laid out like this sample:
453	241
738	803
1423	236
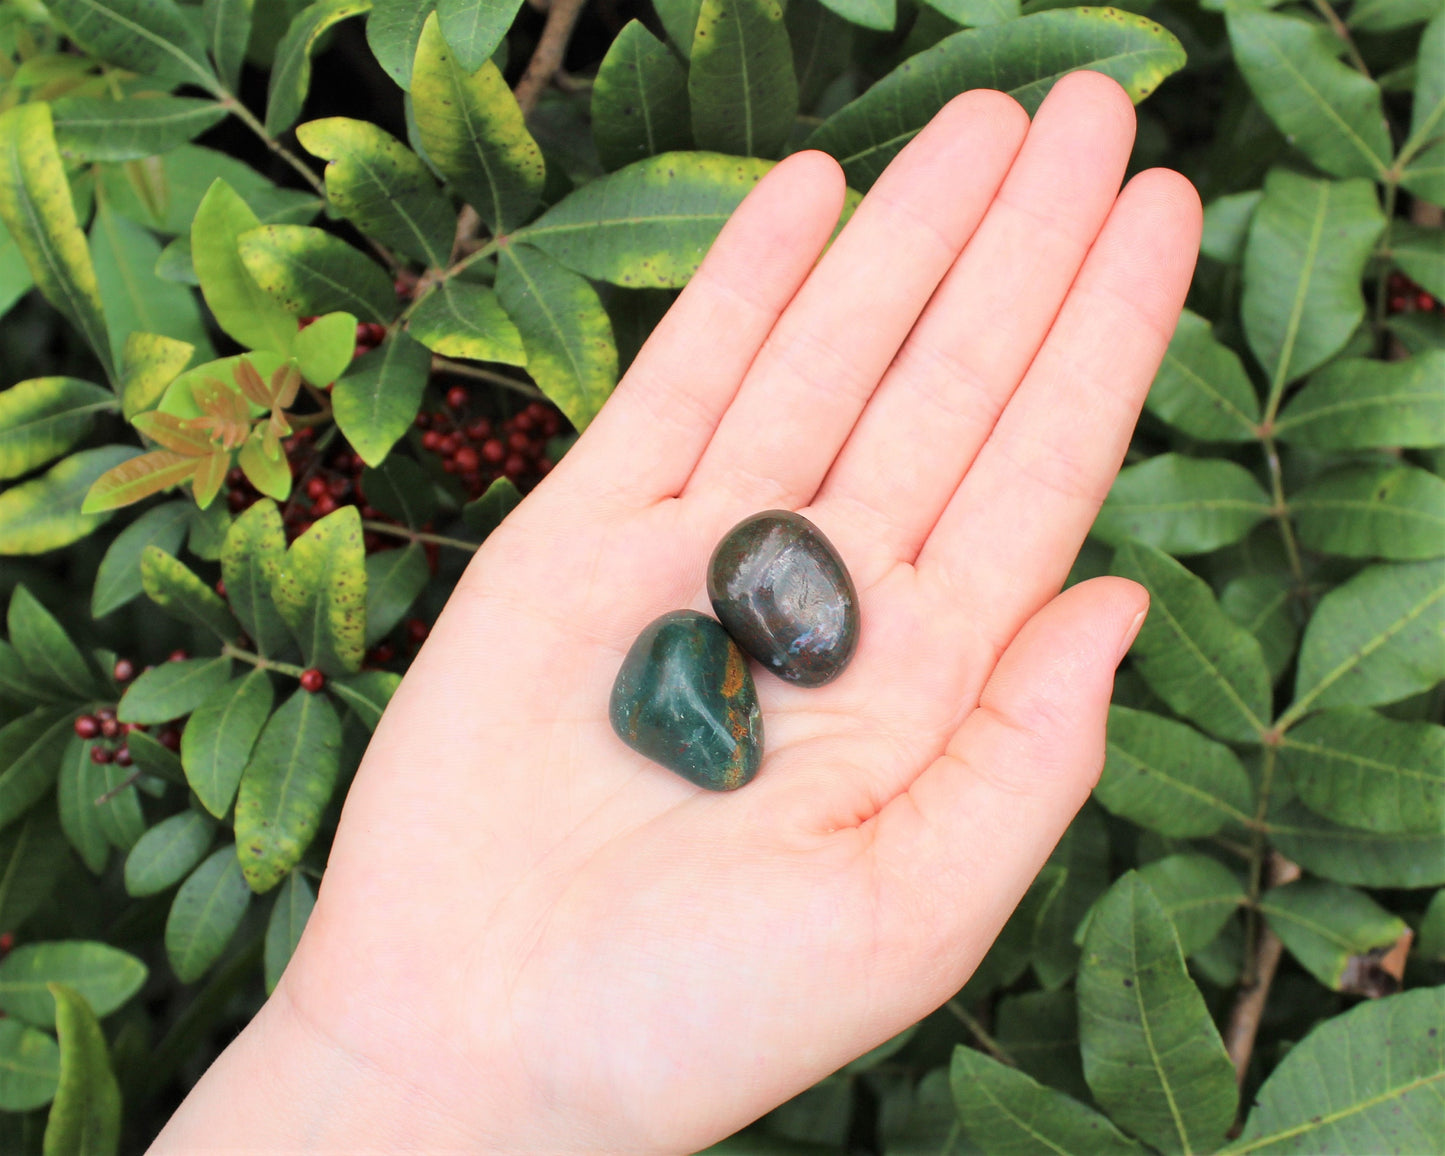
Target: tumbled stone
686	699
781	590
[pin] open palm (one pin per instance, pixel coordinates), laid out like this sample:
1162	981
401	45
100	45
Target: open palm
529	938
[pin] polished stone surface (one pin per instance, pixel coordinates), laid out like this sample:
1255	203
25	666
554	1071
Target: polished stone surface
686	699
781	590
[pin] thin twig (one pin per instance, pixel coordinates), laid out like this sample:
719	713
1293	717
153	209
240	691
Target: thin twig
1338	27
1249	1006
260	663
551	48
244	115
441	364
976	1030
129	781
420	536
1281	512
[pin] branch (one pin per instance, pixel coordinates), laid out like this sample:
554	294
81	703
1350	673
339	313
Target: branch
440	364
976	1029
551	48
1249	1007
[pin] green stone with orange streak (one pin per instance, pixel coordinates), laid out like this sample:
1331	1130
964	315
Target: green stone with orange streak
685	699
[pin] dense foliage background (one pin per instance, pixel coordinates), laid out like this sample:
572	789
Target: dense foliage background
298	298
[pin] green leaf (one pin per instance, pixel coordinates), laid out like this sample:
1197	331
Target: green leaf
1387	15
307	271
392	32
209	528
1360	403
29	1067
119	579
459	319
649	225
240	306
153	759
1201	387
172	689
35	205
394	579
205	914
151	37
1198	893
822	43
1373	511
975	13
1375	639
1022	57
1423	154
1264	605
251	561
151	362
565	331
228	30
1226	225
472	130
1360	769
382	187
45	416
81	783
376	401
217	741
400	489
1329	111
172	586
639	100
136	300
487	513
54	661
166	853
1303	263
324	350
321	592
85	1117
1369	1076
44	513
1168	777
291	74
1152	1054
1420	254
104	975
121	817
1431	940
741	86
1325	926
288	920
474	28
1040	1030
92	129
367	694
1182	505
1349	855
33	856
285	787
1192	655
1007	1112
1076	874
679	19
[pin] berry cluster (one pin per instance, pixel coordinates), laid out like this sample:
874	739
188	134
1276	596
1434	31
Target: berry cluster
478	450
110	734
1404	296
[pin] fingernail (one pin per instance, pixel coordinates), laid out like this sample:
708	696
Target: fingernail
1131	634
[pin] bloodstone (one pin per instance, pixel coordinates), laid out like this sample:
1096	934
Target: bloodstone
685	698
781	590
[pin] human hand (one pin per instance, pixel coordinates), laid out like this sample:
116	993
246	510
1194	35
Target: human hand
529	938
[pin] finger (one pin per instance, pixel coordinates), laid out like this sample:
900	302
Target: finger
964	358
684	377
962	844
1013	528
822	361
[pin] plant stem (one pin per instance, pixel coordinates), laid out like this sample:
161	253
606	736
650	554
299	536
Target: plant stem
420	536
1258	851
1281	511
244	115
231	651
129	781
551	48
975	1029
1254	992
1382	274
1338	27
441	364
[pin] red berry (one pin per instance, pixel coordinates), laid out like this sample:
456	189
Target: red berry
235	501
551	425
472	479
524	422
122	757
450	444
7	941
375	331
312	680
170	738
105	712
315	487
131	728
1424	302
124	670
101	755
467	458
432	441
221	587
382	653
479	430
493	451
109	727
325	504
417	630
422	421
370	513
338	487
87	726
457	397
302	525
235	476
515	466
518	443
1397	303
372	542
544	466
177	655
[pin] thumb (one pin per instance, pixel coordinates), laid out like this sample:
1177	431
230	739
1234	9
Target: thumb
978	824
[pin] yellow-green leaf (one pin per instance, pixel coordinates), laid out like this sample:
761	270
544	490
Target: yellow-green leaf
85	1117
291	74
240	306
305	270
172	586
46	513
45	416
321	592
149	363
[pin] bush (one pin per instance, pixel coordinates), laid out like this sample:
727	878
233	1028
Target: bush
281	406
